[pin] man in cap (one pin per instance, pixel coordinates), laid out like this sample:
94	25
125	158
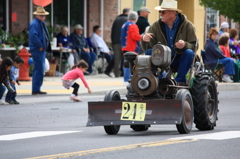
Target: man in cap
223	28
174	30
39	44
116	42
79	42
142	22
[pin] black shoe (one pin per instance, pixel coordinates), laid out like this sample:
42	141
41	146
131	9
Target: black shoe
108	74
86	73
15	101
9	101
38	92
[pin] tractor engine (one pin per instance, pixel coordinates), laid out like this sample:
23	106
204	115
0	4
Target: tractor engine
146	69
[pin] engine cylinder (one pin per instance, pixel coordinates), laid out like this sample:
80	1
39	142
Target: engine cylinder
161	55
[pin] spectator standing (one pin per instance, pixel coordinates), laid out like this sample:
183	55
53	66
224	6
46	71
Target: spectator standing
235	48
64	40
79	42
97	41
214	55
223	28
17	63
69	78
5	78
142	22
174	30
129	38
39	44
116	42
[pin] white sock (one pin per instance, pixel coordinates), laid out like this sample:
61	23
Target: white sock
72	95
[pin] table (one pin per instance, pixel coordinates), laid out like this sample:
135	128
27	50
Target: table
11	49
61	50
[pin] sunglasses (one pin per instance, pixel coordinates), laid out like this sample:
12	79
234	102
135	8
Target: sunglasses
162	12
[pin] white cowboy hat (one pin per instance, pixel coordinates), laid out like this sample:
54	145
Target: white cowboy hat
40	11
168	5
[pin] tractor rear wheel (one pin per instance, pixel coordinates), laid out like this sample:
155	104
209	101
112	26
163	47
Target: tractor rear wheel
187	111
112	96
205	101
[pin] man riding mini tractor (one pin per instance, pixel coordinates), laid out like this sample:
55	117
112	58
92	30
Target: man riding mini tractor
153	97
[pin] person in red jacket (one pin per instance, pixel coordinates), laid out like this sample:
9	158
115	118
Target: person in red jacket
130	38
223	42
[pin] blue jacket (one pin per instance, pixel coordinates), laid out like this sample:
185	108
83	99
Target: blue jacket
213	53
37	38
65	40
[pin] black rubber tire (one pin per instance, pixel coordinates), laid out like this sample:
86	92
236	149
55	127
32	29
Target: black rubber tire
140	127
205	101
185	126
112	96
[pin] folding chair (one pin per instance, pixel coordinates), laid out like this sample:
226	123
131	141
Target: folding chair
217	71
97	51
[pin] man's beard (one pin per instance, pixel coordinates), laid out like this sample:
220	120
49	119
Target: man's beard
161	17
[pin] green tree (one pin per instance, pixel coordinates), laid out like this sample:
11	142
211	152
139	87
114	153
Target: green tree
228	8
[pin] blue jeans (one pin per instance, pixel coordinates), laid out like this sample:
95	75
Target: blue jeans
38	69
2	90
126	74
9	95
110	61
183	62
89	58
228	64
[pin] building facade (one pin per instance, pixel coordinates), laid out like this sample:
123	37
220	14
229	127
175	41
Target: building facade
15	15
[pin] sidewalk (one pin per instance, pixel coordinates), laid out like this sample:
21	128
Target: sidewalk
100	83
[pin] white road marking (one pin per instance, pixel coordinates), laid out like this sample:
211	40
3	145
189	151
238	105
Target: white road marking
33	134
213	136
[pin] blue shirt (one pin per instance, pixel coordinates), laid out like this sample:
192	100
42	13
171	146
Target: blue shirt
14	73
170	33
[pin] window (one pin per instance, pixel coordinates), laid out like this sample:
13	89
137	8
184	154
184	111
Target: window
137	4
61	10
211	20
3	14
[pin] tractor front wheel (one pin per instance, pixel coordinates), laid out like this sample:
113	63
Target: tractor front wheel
112	96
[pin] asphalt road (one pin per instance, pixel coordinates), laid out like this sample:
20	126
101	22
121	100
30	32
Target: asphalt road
55	127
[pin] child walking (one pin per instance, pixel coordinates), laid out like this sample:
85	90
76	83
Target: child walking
69	78
5	78
17	63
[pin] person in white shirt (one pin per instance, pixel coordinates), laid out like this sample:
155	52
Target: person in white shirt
98	42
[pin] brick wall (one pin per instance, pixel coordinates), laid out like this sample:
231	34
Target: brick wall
21	8
94	13
110	13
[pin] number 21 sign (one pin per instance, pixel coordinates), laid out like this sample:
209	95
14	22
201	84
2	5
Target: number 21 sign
133	111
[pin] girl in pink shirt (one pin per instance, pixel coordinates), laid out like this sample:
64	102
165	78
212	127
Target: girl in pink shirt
69	78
